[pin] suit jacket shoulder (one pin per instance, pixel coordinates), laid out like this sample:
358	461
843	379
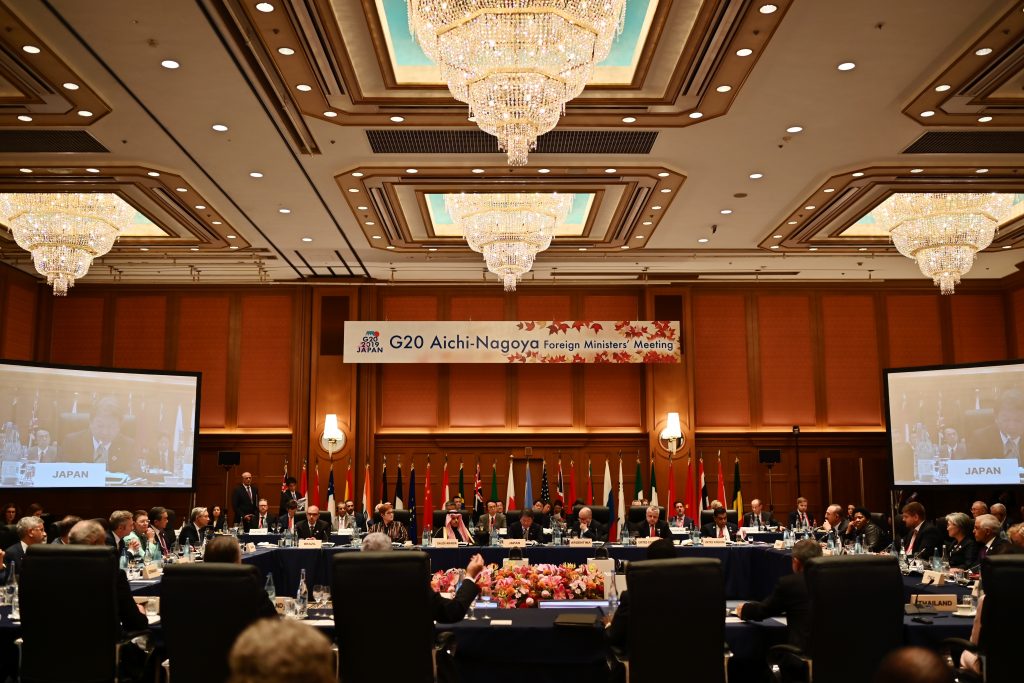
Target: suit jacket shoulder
448	611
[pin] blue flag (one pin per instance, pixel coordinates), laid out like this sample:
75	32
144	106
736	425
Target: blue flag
528	495
411	502
331	506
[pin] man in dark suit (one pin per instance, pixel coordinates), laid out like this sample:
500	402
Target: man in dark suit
652	526
834	520
586	527
758	517
790	598
121	525
290	493
1003	438
720	527
526	528
290	519
30	532
986	533
131	615
313	526
195	531
348	518
159	518
244	499
103	441
800	518
262	519
491	518
922	537
44	450
680	519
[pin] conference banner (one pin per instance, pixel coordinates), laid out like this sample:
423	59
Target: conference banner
524	341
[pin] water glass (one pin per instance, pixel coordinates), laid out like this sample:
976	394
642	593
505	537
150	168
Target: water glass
318	595
967	603
152	607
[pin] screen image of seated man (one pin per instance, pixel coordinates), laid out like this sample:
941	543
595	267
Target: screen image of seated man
103	441
1002	438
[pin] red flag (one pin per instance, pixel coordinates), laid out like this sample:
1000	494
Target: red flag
571	498
590	483
690	509
350	484
720	493
367	496
302	480
670	503
284	478
428	501
316	484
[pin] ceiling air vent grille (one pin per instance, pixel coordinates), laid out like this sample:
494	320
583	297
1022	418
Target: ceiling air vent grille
968	142
479	142
48	141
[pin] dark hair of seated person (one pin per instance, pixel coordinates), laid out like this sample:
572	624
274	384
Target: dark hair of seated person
223	549
662	549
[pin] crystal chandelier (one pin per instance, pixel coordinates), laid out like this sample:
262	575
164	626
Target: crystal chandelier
65	231
943	231
516	62
509	229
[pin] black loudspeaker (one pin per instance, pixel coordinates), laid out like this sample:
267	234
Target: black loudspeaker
768	456
228	458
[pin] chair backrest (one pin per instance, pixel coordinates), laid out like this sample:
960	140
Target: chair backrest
403	517
708	516
638	514
441	515
601	513
203	608
1002	577
71	590
659	592
390	592
512	516
879	520
854	594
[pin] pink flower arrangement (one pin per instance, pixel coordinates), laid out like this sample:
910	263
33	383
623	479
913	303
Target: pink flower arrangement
524	586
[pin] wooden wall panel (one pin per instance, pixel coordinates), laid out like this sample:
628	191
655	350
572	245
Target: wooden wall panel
409	395
1017	304
613	396
410	307
786	360
544	395
915	330
477	395
19	328
853	381
979	329
611	307
265	365
721	373
472	307
203	347
77	330
140	332
543	307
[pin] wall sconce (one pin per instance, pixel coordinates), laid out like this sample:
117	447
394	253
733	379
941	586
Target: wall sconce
672	437
332	439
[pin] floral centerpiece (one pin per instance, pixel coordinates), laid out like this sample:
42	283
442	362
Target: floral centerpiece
526	585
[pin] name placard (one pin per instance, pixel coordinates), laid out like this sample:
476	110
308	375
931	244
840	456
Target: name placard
581	543
988	471
933	578
63	474
938	602
644	541
513	543
257	532
310	543
151	571
344	532
714	542
444	543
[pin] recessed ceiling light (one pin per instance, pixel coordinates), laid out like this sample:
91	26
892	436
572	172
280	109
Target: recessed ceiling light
744	52
857	174
983	51
353	190
307	239
232	247
330	114
774	246
169	64
286	51
611	170
1008	246
767	9
655	208
664	174
284	210
984	119
255	174
219	127
756	176
181	189
264	7
200	207
543	170
432	249
794	129
725	212
357	174
390	246
624	246
216	222
362	208
724	88
25	170
397	119
629	119
776	237
369	223
231	237
581	249
639	237
143	249
85	113
153	174
927	113
917	170
412	170
92	170
847	66
478	170
863	249
810	207
703	240
194	249
302	87
982	170
376	237
829	189
648	222
696	115
792	222
471	118
24	117
31	49
813	249
70	86
666	190
942	88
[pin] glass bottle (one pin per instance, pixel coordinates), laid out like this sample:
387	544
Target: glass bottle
302	597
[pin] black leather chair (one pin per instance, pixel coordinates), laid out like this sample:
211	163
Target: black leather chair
511	517
68	592
638	514
999	644
440	516
708	516
390	591
203	609
403	517
660	591
849	594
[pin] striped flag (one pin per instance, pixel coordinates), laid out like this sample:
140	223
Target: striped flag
702	488
670	503
737	495
428	501
399	503
570	500
494	481
545	492
609	493
367	496
462	483
478	491
331	505
688	494
590	483
302	480
560	484
510	497
654	487
384	482
638	484
350	484
315	500
412	501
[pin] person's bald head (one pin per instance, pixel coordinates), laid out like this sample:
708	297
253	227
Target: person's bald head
586	515
912	665
998	510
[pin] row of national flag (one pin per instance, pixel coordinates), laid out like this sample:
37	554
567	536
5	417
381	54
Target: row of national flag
695	494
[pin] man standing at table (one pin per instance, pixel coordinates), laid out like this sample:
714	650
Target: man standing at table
313	526
652	526
288	495
262	518
586	527
921	538
493	518
758	518
790	598
799	518
720	527
526	528
244	499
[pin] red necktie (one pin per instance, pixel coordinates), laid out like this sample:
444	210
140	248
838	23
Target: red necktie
913	540
652	532
261	521
720	532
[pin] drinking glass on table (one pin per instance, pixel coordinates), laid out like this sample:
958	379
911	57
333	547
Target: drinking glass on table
318	595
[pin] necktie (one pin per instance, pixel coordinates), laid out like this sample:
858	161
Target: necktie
720	532
163	543
490	525
101	453
913	540
652	532
248	492
261	521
